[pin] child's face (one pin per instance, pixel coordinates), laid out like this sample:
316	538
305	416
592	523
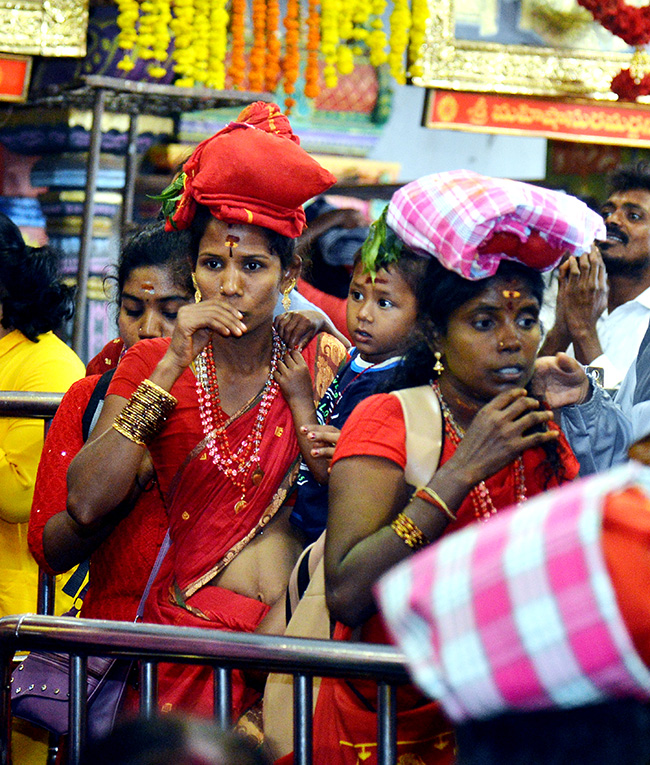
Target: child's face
381	315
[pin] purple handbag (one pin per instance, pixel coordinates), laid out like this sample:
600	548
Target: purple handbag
40	691
40	684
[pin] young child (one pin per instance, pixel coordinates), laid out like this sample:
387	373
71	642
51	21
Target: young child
381	315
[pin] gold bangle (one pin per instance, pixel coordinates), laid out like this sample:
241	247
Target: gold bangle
406	530
145	413
433	498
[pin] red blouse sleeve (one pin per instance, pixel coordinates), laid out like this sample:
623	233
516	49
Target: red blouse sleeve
64	440
375	429
136	365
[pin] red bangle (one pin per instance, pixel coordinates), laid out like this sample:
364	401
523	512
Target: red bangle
433	498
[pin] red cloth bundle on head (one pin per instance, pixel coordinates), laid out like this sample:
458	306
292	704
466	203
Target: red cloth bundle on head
252	171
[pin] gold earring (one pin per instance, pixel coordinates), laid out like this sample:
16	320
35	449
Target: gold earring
438	367
197	291
286	295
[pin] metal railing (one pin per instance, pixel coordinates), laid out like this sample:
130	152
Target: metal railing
40	406
301	657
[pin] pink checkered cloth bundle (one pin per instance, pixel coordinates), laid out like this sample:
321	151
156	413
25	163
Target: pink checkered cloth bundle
518	613
449	215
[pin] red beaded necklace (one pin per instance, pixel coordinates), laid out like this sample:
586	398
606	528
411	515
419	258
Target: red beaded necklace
235	464
481	500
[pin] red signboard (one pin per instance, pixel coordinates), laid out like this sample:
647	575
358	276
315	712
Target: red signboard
14	77
585	121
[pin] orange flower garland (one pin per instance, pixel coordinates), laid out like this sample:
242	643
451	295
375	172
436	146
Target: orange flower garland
257	56
237	69
312	73
273	47
291	60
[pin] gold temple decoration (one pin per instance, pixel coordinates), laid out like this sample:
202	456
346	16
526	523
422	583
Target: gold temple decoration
44	27
456	64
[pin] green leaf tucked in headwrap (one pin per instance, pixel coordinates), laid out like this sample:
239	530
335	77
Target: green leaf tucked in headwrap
170	196
381	248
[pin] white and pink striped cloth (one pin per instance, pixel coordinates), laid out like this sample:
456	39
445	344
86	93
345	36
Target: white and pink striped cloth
518	613
449	215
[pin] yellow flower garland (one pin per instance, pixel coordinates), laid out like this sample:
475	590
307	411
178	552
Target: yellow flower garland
419	16
400	23
218	44
336	31
329	31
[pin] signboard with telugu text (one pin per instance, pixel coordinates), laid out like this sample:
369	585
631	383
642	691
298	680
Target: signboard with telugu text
619	124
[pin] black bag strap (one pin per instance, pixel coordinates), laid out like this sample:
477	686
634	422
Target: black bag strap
94	406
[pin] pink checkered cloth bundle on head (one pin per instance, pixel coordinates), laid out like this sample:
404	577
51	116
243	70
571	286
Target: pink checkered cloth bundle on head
518	613
452	215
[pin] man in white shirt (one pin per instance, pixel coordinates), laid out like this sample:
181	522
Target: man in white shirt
603	304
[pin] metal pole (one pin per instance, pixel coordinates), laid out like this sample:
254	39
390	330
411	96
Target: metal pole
130	166
148	688
77	711
79	325
222	697
386	724
46	593
6	657
303	700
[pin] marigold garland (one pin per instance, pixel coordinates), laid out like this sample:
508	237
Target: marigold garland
218	44
127	20
257	57
376	40
273	46
312	72
419	15
203	31
329	32
237	68
291	59
182	26
400	23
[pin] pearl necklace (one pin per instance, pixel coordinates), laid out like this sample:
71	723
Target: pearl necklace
483	505
236	465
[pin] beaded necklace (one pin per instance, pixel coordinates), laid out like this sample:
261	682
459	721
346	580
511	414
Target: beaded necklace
235	465
482	501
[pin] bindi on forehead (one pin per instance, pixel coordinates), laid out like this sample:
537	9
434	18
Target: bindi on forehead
232	241
148	288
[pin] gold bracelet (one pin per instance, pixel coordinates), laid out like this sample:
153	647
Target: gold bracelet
405	529
145	413
433	498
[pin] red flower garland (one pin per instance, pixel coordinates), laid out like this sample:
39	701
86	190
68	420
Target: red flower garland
627	88
625	21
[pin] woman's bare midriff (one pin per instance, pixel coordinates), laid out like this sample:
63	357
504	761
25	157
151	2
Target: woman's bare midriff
261	570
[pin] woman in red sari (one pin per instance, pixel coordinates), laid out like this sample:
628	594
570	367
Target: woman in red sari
479	316
206	403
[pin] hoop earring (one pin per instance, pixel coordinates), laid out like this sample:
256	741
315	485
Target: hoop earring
286	295
197	291
438	367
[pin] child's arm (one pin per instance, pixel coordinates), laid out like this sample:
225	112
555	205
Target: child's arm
292	375
322	440
298	328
